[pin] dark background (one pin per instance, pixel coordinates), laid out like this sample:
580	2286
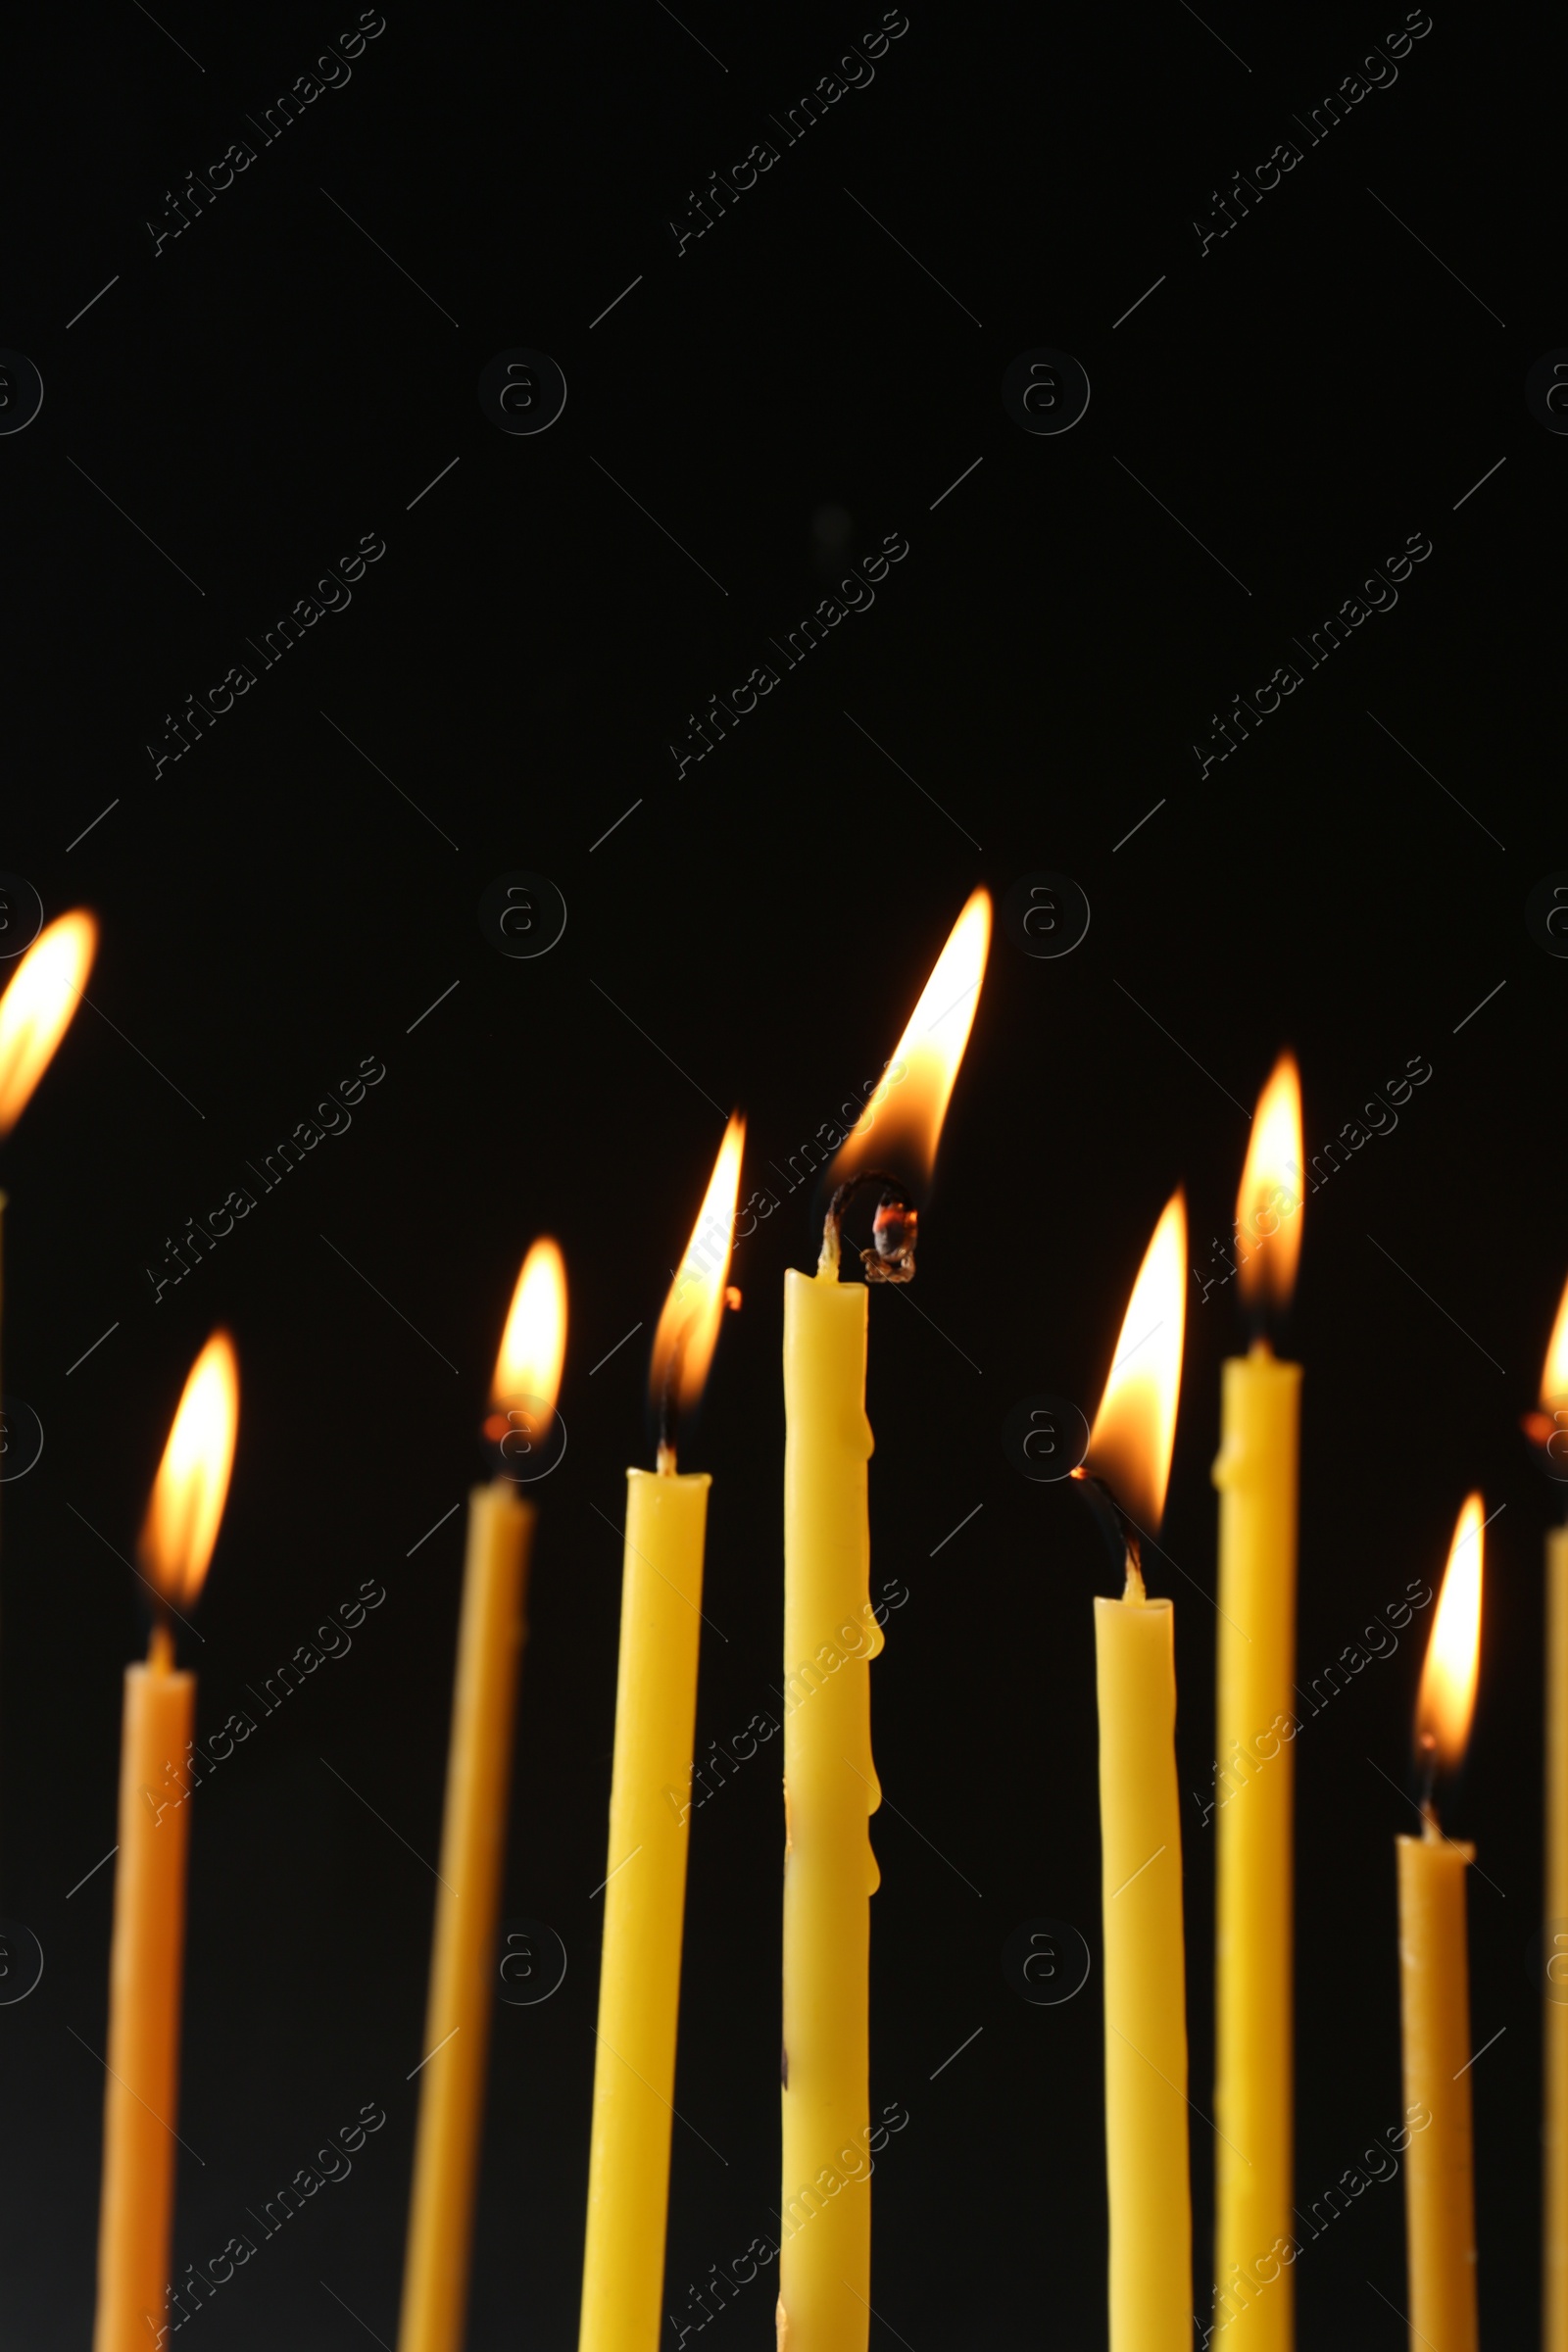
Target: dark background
1310	392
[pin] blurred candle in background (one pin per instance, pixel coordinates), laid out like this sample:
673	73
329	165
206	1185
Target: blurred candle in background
474	1829
141	2089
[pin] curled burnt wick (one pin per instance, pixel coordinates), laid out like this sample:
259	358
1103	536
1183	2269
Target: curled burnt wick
895	1229
1121	1540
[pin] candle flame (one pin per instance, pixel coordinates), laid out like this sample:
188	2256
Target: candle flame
688	1328
1447	1694
1268	1206
1135	1429
1554	1371
188	1494
37	1007
533	1345
902	1120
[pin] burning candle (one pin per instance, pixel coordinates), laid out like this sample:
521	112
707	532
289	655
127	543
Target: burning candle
35	1012
830	1636
1549	1428
1434	1975
141	2090
1124	1475
1254	1693
474	1829
645	1869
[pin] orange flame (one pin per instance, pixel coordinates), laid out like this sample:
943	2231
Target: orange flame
688	1328
902	1116
37	1007
1135	1429
1447	1694
533	1345
188	1494
1268	1207
1554	1371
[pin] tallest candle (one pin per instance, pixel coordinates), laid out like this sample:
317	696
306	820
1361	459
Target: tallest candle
830	1636
1254	1728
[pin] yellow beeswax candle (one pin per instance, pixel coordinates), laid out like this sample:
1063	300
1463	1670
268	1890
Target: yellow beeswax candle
474	1839
1126	1469
1554	2219
1549	1428
1257	1475
1253	1817
146	1961
830	1636
1145	1988
141	2089
1439	2209
645	1895
474	1829
830	1789
650	1805
1434	2028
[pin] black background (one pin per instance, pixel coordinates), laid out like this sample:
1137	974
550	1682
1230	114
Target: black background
1306	395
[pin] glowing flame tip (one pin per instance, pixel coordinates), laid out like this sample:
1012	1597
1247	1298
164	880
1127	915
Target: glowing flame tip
688	1327
533	1345
1135	1429
1447	1694
186	1505
901	1118
35	1010
1268	1206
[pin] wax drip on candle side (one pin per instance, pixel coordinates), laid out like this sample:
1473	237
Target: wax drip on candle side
895	1229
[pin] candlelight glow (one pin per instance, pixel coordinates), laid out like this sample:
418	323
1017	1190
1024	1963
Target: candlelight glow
37	1007
1135	1429
902	1116
192	1482
533	1345
1448	1696
1554	1371
1268	1207
688	1328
